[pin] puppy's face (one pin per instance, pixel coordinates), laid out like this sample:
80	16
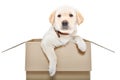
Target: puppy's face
65	19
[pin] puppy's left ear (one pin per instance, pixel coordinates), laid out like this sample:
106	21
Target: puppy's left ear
79	17
52	18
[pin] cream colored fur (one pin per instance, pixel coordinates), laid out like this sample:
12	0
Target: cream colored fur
51	39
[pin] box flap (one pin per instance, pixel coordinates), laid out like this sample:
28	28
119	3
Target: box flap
69	57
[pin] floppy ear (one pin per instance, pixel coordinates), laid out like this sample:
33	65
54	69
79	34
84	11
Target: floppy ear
52	17
79	18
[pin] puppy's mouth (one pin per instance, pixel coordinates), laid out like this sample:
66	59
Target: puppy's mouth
65	28
59	32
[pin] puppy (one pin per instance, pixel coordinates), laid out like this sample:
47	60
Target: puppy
64	26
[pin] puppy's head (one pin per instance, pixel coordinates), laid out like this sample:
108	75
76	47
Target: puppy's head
65	19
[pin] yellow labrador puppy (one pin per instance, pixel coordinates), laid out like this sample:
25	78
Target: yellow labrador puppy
64	26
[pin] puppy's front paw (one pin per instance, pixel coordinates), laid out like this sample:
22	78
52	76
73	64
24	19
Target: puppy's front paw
82	47
52	70
80	43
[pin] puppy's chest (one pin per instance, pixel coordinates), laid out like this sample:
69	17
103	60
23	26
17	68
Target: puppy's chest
63	41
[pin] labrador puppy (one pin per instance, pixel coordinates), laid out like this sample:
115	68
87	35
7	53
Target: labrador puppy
64	22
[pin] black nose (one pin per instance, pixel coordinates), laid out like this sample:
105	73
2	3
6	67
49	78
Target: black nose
64	23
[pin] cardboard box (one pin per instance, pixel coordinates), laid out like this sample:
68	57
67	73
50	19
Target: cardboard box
71	64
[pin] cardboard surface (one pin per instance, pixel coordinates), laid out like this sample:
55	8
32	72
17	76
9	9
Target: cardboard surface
69	57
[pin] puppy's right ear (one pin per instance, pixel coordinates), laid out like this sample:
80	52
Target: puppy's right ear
52	18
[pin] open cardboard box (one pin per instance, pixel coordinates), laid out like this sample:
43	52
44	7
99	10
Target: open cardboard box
71	64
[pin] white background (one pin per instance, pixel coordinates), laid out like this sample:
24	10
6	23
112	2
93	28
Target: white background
21	20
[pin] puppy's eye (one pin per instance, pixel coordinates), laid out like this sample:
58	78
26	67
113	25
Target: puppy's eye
59	15
71	15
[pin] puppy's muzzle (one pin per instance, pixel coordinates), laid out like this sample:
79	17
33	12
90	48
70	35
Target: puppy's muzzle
65	24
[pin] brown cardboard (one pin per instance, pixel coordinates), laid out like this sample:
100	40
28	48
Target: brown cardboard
71	64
